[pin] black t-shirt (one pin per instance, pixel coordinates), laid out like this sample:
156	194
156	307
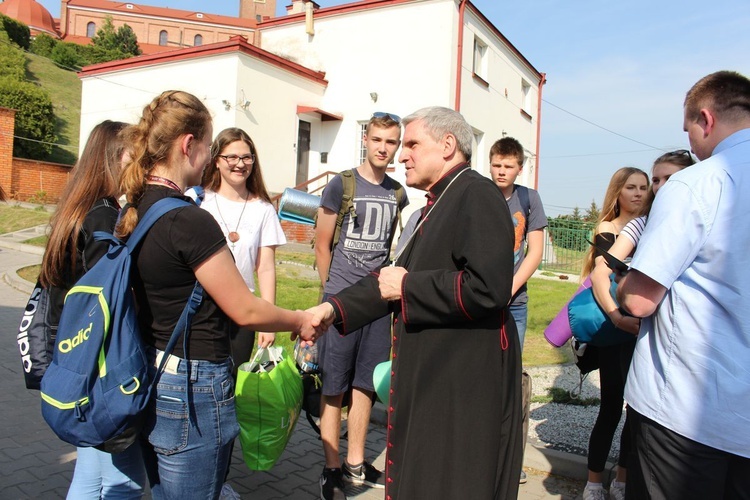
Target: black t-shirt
101	217
176	244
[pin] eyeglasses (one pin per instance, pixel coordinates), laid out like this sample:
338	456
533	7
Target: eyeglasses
680	152
382	114
233	160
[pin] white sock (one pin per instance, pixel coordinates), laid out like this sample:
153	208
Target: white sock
618	484
594	486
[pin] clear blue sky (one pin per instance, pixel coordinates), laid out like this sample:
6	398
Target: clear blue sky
623	66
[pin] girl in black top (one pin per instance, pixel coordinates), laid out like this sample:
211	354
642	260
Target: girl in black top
188	442
89	204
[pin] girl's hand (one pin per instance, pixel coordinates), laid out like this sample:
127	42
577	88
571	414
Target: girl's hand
266	339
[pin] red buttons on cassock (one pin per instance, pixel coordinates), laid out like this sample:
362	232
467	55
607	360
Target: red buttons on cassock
389	480
390	462
392	373
390	427
390	408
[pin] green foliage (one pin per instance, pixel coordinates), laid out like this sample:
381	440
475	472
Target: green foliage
121	41
35	118
576	214
12	62
592	214
67	56
43	45
16	30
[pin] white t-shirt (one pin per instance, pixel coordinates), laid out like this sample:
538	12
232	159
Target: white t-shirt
690	368
258	226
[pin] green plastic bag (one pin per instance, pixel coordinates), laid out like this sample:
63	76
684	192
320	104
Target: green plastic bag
268	399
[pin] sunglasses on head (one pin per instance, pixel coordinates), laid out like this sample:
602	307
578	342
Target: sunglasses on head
382	114
681	152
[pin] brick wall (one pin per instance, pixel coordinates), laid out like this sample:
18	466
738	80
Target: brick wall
21	179
297	233
31	178
7	128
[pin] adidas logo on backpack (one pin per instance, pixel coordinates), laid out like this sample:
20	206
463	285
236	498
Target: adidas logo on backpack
98	383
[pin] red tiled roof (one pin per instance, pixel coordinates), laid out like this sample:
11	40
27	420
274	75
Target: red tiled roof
234	44
175	14
30	13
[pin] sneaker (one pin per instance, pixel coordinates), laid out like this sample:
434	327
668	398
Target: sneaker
522	480
617	491
364	474
594	493
228	493
332	485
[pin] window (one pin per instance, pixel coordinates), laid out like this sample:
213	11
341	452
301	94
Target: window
198	40
199	15
163	38
91	30
480	59
526	96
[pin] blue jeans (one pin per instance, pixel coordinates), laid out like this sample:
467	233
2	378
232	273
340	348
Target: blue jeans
189	443
99	474
520	313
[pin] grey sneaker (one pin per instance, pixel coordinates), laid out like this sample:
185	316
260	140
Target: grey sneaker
364	474
332	485
617	491
595	493
522	479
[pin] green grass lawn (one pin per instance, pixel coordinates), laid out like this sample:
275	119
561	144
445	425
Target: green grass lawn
298	288
14	217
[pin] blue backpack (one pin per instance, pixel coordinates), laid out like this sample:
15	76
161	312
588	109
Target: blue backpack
98	383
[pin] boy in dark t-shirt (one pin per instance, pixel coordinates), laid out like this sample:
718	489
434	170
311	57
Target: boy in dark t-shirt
347	362
506	163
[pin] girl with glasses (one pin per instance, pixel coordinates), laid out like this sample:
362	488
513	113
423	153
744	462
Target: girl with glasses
187	442
237	198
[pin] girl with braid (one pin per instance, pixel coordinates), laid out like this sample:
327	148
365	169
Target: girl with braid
187	442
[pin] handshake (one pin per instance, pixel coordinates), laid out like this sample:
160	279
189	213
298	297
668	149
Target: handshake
313	323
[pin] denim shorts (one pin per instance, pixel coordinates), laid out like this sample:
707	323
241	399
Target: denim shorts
189	442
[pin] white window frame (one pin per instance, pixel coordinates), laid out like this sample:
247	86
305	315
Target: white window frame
480	58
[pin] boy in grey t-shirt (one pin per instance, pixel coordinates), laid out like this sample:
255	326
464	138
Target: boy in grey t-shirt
347	362
506	163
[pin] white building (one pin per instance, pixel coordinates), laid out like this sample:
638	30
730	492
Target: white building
320	73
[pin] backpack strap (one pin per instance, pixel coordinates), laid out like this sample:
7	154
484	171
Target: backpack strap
347	203
523	199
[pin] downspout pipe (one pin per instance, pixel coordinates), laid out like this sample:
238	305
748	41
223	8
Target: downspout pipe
542	81
460	53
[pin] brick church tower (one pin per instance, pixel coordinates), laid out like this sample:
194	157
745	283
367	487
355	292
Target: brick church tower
257	9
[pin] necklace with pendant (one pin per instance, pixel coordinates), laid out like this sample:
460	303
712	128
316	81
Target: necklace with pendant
233	236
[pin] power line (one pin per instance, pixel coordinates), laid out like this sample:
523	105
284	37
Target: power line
601	127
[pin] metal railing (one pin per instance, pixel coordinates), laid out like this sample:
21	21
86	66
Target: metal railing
566	245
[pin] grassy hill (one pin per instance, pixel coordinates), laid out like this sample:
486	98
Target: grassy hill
64	88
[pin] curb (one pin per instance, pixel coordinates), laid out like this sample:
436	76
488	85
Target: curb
20	247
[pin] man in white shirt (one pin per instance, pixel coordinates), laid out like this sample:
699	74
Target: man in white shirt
689	383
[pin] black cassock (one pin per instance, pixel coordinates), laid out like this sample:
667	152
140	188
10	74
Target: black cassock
454	418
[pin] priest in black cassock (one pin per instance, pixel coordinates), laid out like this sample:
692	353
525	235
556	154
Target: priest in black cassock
454	417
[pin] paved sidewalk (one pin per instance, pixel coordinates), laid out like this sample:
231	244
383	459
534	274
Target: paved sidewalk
35	464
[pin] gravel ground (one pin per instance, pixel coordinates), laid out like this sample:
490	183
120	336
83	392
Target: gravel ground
565	427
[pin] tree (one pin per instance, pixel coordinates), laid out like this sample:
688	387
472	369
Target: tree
16	30
576	214
42	45
35	118
592	213
121	40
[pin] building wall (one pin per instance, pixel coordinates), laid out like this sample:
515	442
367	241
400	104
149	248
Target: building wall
181	33
378	50
250	9
270	118
495	104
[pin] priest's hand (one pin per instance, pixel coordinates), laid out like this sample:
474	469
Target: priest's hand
389	282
